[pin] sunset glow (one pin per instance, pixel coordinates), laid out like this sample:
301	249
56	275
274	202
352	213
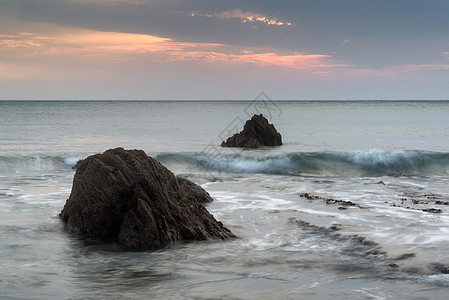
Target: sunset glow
95	47
181	49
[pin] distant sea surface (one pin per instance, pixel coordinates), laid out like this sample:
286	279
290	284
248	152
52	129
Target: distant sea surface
354	205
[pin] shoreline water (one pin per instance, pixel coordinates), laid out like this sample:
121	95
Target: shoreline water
289	246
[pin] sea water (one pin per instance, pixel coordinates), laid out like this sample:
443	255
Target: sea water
354	205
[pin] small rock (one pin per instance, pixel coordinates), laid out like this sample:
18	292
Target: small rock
256	133
433	210
439	268
438	202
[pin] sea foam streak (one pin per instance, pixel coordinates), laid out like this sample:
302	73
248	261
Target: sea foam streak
370	163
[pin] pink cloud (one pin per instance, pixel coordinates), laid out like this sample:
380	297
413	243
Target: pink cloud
294	60
19	40
70	47
94	47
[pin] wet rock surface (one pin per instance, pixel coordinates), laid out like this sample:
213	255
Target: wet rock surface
356	244
411	202
256	133
195	191
130	198
342	203
374	250
422	202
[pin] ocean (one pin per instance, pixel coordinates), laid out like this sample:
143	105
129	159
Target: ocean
354	205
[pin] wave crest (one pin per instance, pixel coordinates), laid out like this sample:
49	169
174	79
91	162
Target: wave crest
372	163
25	164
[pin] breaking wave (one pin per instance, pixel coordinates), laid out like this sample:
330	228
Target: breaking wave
370	163
25	164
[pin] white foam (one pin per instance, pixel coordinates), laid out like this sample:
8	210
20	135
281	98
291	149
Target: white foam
439	279
72	161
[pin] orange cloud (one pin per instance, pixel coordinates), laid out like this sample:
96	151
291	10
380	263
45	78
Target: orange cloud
94	47
20	40
115	42
295	60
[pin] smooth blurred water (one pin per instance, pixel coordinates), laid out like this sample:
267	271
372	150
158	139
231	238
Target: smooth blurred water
289	247
82	127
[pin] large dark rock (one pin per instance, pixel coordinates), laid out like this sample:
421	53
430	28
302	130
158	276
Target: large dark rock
256	133
128	197
195	191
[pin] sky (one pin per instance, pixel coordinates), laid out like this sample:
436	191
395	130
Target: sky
224	50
